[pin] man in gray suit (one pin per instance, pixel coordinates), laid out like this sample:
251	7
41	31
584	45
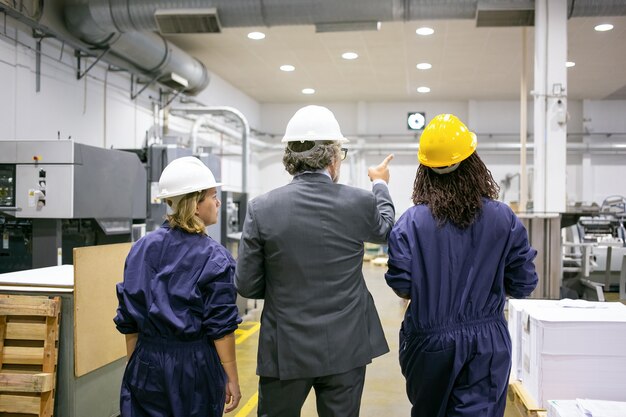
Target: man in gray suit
302	251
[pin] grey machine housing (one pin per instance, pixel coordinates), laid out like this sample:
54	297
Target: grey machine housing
78	181
53	191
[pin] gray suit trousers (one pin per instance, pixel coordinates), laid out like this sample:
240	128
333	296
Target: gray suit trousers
336	395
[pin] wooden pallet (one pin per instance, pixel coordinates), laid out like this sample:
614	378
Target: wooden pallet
29	334
523	402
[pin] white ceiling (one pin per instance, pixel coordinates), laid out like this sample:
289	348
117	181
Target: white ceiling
468	62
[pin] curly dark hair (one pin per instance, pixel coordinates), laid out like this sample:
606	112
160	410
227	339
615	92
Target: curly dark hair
310	155
455	197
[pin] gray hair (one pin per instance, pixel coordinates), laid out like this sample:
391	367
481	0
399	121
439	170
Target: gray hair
310	156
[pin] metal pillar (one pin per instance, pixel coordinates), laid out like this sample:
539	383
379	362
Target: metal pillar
550	108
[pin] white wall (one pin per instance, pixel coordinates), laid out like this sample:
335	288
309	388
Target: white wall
96	110
494	121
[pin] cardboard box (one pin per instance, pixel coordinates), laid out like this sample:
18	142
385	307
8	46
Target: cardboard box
573	349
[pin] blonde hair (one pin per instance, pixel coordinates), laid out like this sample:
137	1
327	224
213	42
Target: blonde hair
184	215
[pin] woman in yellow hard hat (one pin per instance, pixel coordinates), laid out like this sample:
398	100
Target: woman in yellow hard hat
456	254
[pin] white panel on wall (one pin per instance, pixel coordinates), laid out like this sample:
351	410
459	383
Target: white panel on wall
605	116
7	86
275	116
607	173
254	176
575	120
390	118
401	177
573	178
220	93
64	107
231	173
495	117
273	174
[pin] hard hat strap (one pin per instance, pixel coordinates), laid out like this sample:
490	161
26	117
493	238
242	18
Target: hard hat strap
307	152
446	170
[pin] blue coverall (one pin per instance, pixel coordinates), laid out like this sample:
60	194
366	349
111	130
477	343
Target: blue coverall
178	294
455	349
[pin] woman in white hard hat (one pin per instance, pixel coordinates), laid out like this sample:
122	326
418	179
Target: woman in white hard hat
177	307
456	254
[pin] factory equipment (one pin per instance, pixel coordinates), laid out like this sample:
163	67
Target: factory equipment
594	249
155	158
228	229
58	195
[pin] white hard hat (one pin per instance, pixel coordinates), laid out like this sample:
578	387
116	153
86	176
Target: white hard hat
185	175
315	123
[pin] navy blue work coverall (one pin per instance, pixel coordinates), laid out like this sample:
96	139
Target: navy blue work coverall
455	349
178	294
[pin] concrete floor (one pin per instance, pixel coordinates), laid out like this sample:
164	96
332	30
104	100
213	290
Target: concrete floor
384	392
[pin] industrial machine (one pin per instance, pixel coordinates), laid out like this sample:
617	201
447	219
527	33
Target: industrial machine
228	229
594	250
155	158
58	195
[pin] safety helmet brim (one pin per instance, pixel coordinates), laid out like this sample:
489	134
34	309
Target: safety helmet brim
190	190
314	138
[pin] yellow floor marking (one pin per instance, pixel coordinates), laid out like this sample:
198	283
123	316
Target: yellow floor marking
244	334
252	402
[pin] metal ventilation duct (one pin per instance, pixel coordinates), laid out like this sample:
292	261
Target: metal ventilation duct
119	23
147	51
173	21
505	13
139	15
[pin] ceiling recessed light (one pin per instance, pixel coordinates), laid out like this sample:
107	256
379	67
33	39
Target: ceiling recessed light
308	91
349	55
570	64
425	31
256	35
604	27
423	66
287	68
423	90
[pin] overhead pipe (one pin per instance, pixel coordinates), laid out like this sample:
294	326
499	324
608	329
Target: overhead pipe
149	52
235	135
132	15
220	110
613	148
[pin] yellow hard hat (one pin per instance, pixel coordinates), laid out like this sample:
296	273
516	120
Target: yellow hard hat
445	141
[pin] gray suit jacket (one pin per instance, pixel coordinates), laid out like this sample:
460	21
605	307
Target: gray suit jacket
302	251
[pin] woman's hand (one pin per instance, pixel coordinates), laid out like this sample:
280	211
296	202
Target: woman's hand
233	396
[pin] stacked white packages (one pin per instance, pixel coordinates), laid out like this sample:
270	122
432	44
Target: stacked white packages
569	349
586	408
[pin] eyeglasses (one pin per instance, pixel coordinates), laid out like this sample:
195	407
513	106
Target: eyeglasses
344	153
